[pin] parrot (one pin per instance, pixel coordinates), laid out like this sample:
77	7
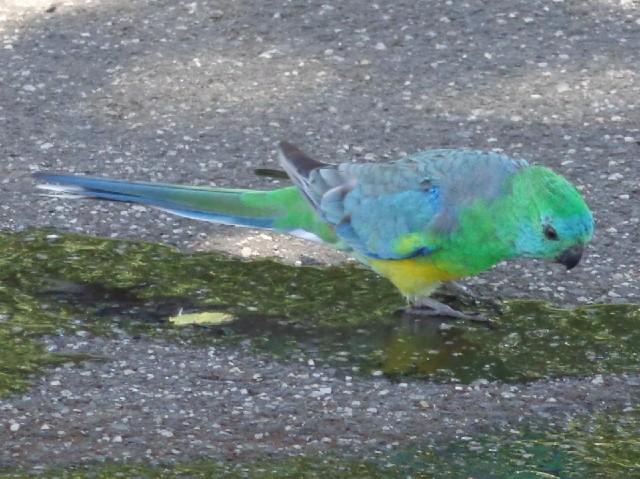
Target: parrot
419	221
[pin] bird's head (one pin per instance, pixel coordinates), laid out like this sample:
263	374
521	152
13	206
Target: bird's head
552	220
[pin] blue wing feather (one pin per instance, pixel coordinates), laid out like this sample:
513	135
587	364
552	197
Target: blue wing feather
400	209
375	206
155	195
376	222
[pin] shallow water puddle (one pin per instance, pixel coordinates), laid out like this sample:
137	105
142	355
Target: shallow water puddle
54	284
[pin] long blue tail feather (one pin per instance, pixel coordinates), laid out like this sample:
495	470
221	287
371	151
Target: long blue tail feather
189	202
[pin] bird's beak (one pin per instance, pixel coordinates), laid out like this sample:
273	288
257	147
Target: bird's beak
571	256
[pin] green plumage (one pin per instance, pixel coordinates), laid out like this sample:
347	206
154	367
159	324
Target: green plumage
421	220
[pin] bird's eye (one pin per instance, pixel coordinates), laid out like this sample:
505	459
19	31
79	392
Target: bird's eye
550	233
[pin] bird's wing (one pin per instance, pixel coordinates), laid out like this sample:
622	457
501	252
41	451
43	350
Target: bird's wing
400	209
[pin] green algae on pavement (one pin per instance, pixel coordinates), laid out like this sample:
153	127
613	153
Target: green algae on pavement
600	446
55	284
603	445
59	284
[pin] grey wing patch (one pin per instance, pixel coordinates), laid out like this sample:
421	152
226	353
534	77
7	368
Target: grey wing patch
422	193
466	176
298	165
292	157
463	177
324	185
370	204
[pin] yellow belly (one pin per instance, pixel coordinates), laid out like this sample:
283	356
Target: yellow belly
412	276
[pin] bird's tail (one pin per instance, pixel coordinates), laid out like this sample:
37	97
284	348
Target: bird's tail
283	210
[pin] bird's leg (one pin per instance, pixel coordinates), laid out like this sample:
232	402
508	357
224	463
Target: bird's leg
426	306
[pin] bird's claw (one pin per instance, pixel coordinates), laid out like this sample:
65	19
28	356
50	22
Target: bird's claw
431	307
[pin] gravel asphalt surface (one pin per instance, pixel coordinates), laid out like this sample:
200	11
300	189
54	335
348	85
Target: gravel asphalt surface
200	92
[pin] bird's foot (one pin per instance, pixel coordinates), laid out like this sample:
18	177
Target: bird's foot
430	307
